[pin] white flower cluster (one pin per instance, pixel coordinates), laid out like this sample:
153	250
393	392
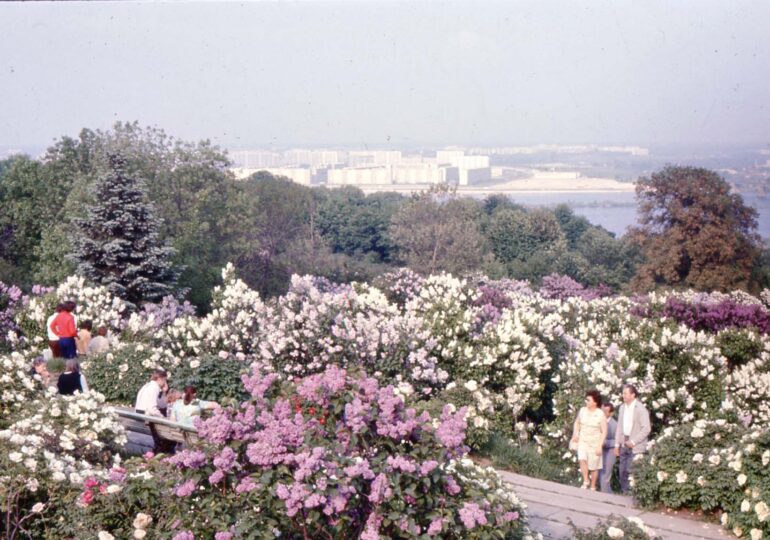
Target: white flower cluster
17	384
66	438
94	303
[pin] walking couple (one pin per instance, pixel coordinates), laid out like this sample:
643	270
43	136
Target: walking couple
600	439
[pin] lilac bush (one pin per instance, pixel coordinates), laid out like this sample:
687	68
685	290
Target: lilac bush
11	299
562	287
713	317
334	455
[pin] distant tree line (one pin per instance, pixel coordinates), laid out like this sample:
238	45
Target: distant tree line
692	231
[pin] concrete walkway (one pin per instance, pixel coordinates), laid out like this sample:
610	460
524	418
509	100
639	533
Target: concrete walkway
551	505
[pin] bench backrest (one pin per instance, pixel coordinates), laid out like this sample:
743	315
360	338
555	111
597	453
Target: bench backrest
165	428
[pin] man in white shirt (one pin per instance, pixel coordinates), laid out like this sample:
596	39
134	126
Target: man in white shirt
147	398
147	403
631	433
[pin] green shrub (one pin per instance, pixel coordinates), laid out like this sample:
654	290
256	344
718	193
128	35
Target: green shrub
120	372
215	378
686	467
739	347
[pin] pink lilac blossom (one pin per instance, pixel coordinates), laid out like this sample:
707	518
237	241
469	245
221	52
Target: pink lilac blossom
401	463
452	487
381	490
359	469
191	459
216	477
472	515
371	531
427	467
186	489
226	459
246	485
184	535
223	536
509	516
451	431
435	527
293	497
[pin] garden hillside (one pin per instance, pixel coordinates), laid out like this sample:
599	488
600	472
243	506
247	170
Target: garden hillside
352	406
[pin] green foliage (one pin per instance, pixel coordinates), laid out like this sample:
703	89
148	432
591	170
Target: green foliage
527	458
695	450
739	347
119	373
117	244
432	235
694	232
214	378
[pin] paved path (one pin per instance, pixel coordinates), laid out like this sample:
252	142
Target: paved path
551	505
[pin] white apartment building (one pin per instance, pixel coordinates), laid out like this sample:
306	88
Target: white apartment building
256	159
312	158
470	169
358	176
420	173
360	158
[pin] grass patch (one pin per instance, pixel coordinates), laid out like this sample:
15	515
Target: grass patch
527	458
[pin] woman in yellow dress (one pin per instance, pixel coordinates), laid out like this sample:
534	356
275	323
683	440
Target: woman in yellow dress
589	433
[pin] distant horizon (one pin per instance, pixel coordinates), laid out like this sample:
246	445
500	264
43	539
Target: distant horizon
35	148
387	74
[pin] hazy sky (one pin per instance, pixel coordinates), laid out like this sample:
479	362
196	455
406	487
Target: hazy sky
391	74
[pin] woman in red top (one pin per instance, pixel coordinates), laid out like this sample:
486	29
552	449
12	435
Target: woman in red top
64	326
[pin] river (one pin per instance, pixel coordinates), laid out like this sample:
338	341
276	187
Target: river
617	211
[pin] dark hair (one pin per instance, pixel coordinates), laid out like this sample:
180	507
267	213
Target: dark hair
88	325
158	373
609	405
59	308
189	394
39	361
632	389
596	396
70	306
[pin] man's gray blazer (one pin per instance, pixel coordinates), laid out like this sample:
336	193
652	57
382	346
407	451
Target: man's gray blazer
640	429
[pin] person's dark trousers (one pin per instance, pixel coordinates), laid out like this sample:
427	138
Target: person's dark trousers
67	346
55	349
605	475
160	446
626	460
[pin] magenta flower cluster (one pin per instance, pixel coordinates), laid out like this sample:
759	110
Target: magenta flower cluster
338	453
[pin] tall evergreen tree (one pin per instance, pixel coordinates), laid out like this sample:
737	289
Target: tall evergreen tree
117	245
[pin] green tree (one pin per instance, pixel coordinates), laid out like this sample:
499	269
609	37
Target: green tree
434	235
118	246
356	224
528	243
694	232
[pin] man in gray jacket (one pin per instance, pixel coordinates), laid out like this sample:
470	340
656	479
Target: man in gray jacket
608	449
631	433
